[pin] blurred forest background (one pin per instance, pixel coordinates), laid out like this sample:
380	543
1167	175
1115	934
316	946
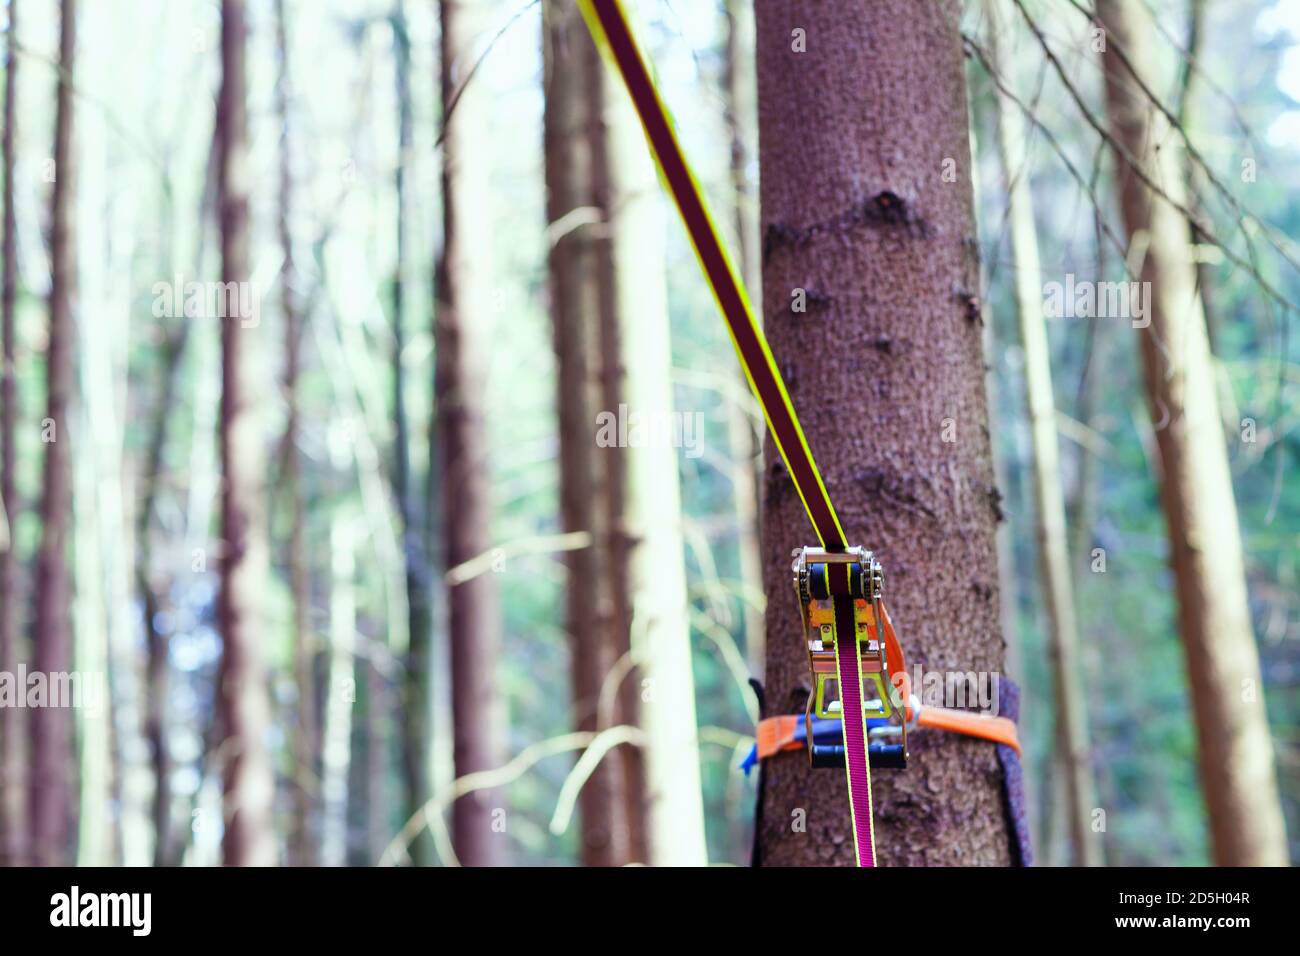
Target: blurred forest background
401	670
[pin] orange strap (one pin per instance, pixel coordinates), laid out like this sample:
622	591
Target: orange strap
1000	730
894	654
776	734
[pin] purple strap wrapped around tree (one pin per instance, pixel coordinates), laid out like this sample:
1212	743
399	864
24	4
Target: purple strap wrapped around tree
1013	776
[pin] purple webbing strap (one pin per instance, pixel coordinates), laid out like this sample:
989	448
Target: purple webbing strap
855	735
1013	779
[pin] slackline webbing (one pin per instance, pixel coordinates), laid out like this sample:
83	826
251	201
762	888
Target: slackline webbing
612	32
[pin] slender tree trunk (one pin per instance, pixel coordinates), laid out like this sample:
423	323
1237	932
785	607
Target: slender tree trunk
1236	751
746	446
340	701
1005	452
376	790
461	328
866	198
102	545
1049	497
156	662
1099	642
52	756
90	647
1189	94
661	636
417	726
630	842
12	783
581	286
248	785
304	733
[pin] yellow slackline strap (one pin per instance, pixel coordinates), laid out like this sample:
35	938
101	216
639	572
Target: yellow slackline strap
609	26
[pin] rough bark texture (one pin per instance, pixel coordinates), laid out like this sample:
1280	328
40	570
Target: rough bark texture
248	784
1236	751
301	848
581	287
1049	496
853	139
12	783
51	727
460	333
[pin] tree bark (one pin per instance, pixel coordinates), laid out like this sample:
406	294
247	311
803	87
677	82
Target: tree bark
461	327
12	783
661	634
248	784
866	205
1049	497
52	756
1236	752
581	290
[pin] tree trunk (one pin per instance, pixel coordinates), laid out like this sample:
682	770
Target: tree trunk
52	756
340	700
746	445
660	610
152	589
103	612
628	790
1188	113
1236	751
248	784
461	328
301	850
866	201
1049	497
1005	449
581	289
416	689
13	831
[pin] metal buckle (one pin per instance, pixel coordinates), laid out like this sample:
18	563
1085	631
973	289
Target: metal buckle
817	580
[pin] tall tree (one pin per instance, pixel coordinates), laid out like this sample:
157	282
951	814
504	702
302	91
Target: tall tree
244	712
461	327
416	691
614	531
746	446
12	803
51	757
581	278
661	634
151	586
1049	496
866	199
304	731
1188	111
336	742
1236	752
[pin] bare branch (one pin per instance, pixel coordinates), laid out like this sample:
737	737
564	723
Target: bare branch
1136	166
